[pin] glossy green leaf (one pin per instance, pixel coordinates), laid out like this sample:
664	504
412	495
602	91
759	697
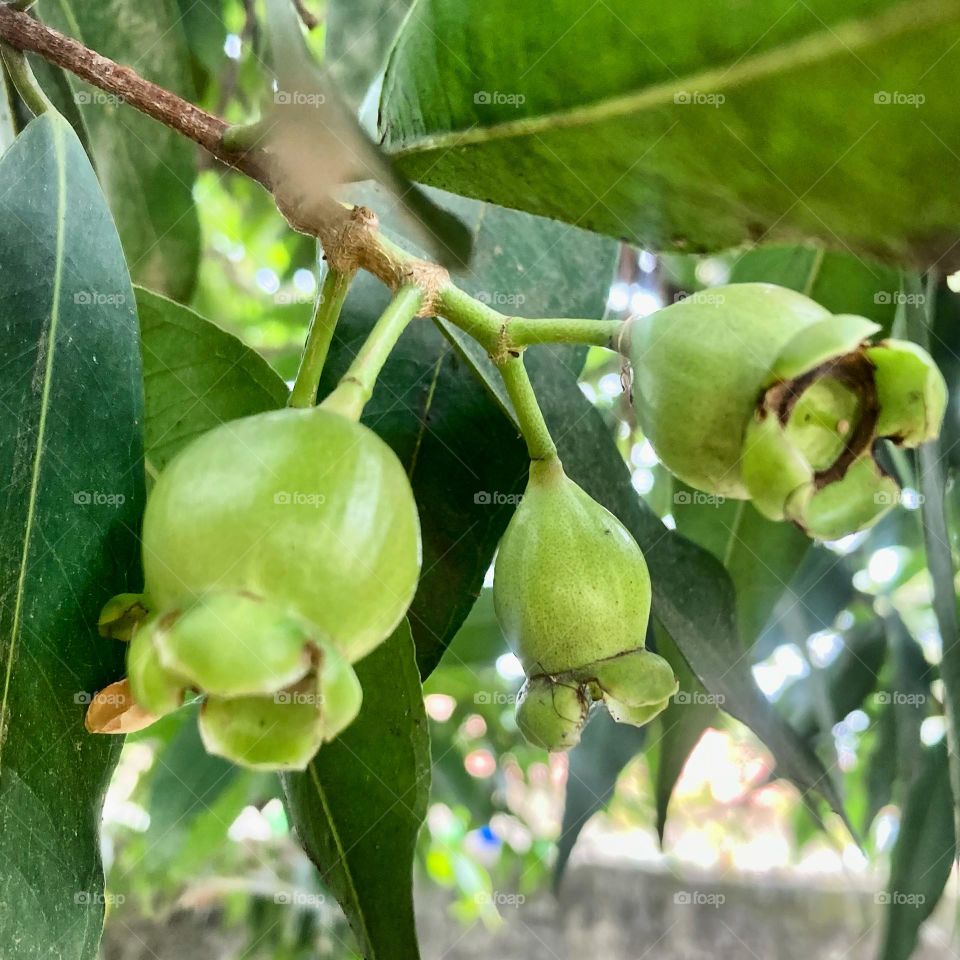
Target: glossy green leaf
196	375
692	126
359	805
596	763
465	459
146	170
71	458
923	856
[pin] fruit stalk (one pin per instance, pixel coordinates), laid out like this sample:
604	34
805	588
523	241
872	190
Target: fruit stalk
23	79
356	386
534	428
333	292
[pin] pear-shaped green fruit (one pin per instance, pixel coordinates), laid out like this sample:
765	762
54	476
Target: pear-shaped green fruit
551	714
757	392
570	584
572	595
303	508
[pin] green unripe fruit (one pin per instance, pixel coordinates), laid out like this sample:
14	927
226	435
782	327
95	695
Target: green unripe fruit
552	714
572	595
753	391
570	584
304	508
153	687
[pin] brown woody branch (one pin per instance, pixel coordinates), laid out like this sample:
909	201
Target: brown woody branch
349	236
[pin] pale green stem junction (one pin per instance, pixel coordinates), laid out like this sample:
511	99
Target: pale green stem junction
333	292
356	386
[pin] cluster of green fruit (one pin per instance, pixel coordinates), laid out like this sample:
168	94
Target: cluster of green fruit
280	549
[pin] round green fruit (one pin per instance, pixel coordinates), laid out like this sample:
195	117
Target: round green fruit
551	714
304	508
753	391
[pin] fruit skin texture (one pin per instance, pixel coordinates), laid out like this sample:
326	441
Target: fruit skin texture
698	366
303	507
572	595
753	391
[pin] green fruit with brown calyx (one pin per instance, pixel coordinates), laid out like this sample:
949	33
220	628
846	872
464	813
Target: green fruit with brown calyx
754	391
572	591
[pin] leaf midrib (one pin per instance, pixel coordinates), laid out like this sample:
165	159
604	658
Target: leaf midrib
847	38
59	154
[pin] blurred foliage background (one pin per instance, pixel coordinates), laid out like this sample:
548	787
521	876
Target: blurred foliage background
848	649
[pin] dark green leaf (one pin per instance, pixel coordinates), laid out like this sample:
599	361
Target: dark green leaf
146	170
359	805
196	376
923	856
595	764
71	459
689	126
466	462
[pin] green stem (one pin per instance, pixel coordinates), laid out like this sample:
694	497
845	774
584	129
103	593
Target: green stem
19	71
333	292
474	318
540	444
356	386
523	332
499	334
